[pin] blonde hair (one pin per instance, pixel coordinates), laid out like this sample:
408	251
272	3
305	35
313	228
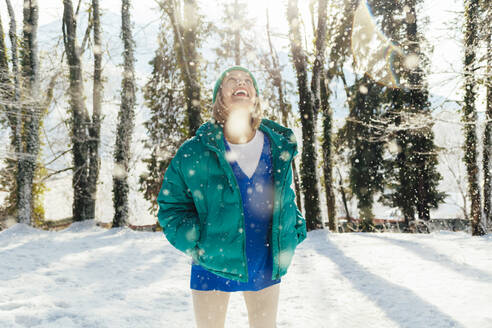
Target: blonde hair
219	111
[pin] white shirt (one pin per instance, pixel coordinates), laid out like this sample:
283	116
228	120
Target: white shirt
247	155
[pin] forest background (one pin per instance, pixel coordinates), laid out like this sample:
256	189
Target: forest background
394	114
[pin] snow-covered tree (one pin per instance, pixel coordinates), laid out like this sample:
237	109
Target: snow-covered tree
309	176
126	122
95	125
81	123
412	173
23	174
470	115
487	135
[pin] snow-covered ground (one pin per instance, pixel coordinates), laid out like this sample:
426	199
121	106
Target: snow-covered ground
86	276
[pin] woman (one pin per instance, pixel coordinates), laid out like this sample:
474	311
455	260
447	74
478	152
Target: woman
227	201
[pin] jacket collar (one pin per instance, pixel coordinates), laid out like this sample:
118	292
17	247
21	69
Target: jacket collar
211	133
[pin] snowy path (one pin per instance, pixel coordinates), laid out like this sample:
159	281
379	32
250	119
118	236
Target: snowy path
86	276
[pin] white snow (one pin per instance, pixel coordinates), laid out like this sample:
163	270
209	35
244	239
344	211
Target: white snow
86	276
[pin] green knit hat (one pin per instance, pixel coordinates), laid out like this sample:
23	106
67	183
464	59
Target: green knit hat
233	68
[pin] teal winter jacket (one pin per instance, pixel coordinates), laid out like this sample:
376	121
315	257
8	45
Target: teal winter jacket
201	210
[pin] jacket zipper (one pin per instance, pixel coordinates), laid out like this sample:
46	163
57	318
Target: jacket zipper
243	233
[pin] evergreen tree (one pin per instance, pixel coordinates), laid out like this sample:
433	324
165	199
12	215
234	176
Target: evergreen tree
421	141
412	174
365	140
166	128
165	95
363	133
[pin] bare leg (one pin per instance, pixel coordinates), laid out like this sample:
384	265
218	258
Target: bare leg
262	307
210	307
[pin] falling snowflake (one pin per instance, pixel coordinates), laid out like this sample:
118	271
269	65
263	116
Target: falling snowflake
198	194
285	156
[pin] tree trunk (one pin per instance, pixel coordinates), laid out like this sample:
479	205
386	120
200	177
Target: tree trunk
6	88
237	36
276	76
327	155
470	115
9	172
30	84
319	59
95	127
192	85
487	137
5	84
80	117
320	93
185	42
126	118
308	167
16	109
344	196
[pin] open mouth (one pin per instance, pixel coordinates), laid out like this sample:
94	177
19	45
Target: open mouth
240	93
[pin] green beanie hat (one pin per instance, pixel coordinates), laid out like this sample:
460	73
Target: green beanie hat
233	68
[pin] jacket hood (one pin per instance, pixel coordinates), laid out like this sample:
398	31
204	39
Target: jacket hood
211	133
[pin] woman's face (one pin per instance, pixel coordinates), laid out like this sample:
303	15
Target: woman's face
238	91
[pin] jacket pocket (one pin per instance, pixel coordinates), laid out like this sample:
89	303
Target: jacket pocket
288	243
288	216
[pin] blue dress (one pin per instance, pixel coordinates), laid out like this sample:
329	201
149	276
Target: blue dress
257	195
